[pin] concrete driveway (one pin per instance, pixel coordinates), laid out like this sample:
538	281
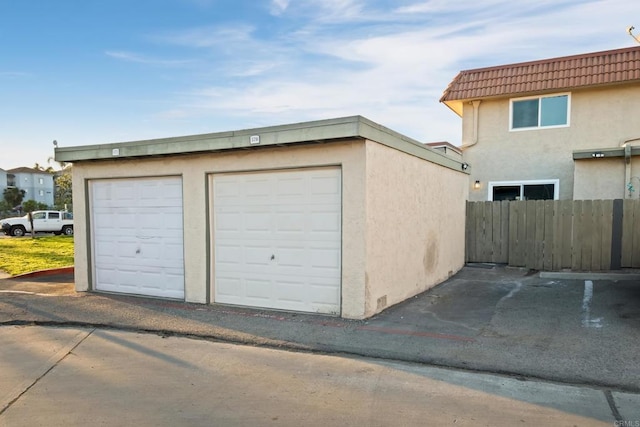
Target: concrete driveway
62	376
571	329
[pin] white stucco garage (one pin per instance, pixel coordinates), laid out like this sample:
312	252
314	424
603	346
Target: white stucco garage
342	217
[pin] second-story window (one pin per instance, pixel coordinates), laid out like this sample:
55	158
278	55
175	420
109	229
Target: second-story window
539	112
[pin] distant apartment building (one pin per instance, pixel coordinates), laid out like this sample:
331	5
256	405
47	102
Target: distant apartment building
38	185
3	179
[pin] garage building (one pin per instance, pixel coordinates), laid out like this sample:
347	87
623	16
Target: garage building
341	217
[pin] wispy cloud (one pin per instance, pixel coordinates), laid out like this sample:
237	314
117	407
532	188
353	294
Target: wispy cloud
278	7
389	64
133	57
14	74
222	37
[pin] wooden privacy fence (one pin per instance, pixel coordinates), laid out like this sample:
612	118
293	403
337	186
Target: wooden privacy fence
581	235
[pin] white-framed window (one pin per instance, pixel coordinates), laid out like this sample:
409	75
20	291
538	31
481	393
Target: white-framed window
537	112
40	181
41	192
546	189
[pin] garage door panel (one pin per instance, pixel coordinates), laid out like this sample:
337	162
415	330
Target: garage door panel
285	231
229	256
325	185
257	255
257	220
325	259
229	287
324	294
290	222
137	229
254	187
290	187
227	221
291	257
258	289
325	222
290	291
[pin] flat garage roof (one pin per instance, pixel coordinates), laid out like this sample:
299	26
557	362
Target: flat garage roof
314	132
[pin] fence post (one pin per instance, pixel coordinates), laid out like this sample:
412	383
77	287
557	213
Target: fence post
616	235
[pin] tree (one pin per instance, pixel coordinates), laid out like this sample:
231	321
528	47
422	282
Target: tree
32	205
5	209
61	165
13	196
63	190
48	169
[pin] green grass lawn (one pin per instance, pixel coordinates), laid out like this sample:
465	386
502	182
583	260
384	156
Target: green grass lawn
20	255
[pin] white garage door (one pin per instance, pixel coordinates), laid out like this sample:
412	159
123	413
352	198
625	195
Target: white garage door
137	231
278	239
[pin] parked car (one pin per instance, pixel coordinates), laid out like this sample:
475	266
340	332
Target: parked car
57	222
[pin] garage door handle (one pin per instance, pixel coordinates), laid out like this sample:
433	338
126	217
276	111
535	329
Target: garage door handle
273	257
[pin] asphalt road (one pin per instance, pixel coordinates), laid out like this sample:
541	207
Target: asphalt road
83	376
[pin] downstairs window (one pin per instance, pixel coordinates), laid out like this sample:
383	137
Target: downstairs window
524	190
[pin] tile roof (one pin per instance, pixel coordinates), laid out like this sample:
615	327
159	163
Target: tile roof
27	170
564	73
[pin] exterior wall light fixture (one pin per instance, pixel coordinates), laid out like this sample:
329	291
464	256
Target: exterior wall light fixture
476	185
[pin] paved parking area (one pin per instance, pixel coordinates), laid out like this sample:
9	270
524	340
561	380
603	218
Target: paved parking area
494	319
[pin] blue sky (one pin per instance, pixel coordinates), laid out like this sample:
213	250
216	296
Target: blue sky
92	71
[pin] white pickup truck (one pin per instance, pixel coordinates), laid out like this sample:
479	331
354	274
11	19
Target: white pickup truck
57	222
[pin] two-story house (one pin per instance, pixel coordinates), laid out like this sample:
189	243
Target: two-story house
559	128
38	185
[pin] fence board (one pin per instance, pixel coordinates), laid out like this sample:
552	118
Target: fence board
496	226
504	231
607	230
577	238
635	245
485	247
596	241
538	261
557	236
516	234
586	232
567	233
471	233
548	240
627	234
479	230
529	248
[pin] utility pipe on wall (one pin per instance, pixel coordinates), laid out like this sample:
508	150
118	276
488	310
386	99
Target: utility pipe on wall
476	124
627	167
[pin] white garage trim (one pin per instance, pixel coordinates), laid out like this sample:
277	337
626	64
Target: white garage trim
277	239
137	235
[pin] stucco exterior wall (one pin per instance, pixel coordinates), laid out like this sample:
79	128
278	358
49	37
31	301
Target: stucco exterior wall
197	170
415	225
599	118
605	179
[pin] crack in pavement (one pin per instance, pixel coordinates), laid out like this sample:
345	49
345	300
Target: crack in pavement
45	368
612	404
